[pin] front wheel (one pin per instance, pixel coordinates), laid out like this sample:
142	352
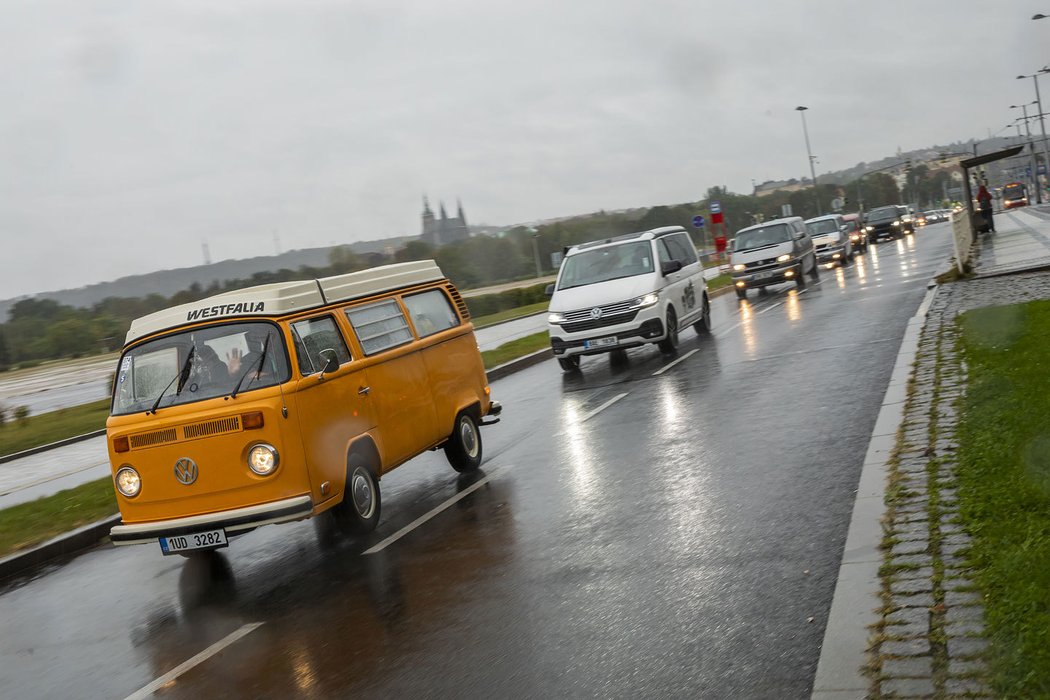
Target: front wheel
814	272
703	326
463	449
670	343
569	364
741	293
358	514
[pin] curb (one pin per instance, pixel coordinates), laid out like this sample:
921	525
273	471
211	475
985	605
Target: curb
843	652
66	543
533	358
51	445
509	320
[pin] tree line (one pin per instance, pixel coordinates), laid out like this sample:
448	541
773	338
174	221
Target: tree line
42	329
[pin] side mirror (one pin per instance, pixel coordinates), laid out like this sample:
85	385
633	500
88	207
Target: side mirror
670	267
799	235
843	228
549	290
331	361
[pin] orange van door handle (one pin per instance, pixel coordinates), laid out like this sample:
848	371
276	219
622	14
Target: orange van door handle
363	391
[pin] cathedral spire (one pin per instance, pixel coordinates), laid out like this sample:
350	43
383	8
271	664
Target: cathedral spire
443	214
426	206
459	213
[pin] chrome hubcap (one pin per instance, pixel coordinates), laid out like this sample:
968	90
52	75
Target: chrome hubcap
468	437
361	490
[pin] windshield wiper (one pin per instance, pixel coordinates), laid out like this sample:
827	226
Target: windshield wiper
182	376
262	356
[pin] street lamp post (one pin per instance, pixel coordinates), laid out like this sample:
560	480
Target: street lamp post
1028	134
536	254
1042	127
812	171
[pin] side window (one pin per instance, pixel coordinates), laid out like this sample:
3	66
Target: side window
431	312
314	335
681	249
379	326
662	251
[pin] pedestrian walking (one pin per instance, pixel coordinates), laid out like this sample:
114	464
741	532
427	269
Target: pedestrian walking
984	201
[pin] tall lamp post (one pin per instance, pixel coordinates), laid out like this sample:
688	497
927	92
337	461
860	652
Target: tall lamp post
1028	134
1042	127
812	171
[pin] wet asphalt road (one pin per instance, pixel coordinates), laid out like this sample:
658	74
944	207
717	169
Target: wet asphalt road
671	534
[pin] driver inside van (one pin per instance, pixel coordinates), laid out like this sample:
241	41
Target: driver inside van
238	362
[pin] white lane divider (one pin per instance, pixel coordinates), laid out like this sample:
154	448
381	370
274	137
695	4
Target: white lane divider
148	690
601	408
683	358
431	513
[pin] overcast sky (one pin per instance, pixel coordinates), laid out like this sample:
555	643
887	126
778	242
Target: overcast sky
131	132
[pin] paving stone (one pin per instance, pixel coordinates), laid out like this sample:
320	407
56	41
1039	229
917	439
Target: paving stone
911	517
959	647
909	547
907	687
955	599
965	686
965	612
917	600
917	559
909	616
964	628
909	667
917	646
955	536
919	534
923	574
965	667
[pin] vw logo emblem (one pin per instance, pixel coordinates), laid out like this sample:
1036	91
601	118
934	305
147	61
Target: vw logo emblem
596	313
186	471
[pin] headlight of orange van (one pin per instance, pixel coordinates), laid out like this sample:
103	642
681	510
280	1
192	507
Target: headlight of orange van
128	482
263	459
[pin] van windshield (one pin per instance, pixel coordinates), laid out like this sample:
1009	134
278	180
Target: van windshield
199	364
762	237
883	214
607	263
818	228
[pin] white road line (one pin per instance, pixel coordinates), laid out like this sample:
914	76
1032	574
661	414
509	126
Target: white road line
148	690
601	408
683	358
430	514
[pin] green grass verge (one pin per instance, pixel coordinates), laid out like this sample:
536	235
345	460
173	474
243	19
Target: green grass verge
16	436
1004	487
510	314
31	523
515	349
719	282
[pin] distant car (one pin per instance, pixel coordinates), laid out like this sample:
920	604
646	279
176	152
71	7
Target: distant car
857	235
1015	195
892	221
932	216
830	239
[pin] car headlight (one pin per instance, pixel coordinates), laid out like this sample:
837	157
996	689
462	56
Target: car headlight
128	482
263	459
555	318
738	267
854	236
897	223
784	258
647	300
869	228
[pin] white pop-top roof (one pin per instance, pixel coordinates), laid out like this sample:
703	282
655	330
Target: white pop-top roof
288	297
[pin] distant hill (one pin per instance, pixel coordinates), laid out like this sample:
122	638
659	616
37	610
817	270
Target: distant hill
168	282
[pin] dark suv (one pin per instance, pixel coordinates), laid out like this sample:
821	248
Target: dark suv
889	222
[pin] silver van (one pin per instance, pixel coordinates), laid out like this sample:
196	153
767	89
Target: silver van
627	291
831	238
771	253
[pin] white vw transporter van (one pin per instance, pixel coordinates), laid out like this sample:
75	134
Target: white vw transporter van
626	291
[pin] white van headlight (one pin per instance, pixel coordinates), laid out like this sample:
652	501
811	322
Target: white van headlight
128	482
263	459
647	300
784	258
738	267
555	318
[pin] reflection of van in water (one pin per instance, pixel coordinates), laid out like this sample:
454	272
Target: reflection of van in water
290	400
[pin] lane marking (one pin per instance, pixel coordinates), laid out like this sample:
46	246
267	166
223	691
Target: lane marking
431	513
148	690
601	408
683	358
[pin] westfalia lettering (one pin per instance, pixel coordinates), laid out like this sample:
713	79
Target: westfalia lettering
226	310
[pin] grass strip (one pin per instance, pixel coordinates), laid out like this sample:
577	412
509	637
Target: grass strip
31	523
1004	487
515	349
52	426
510	314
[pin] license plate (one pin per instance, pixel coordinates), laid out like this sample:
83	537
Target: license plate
763	275
600	342
198	540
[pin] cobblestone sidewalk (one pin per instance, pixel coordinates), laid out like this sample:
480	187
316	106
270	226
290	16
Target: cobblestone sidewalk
930	640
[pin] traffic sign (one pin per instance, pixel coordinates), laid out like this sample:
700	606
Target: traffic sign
698	221
716	207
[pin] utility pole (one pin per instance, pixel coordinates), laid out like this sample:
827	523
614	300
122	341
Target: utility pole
812	171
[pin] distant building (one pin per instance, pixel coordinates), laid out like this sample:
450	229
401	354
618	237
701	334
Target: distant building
439	230
771	186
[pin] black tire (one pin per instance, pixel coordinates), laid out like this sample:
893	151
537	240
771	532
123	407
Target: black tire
463	449
800	278
703	326
618	357
670	343
741	293
815	270
569	364
358	513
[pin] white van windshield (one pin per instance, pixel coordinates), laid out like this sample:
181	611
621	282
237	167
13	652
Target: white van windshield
762	237
822	226
608	263
199	364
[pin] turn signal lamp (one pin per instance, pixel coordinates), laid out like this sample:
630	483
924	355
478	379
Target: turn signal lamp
252	421
121	444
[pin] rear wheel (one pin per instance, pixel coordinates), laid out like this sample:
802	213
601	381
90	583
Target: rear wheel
358	514
703	326
570	363
463	448
670	342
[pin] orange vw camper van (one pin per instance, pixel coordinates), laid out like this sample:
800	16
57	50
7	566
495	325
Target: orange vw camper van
290	400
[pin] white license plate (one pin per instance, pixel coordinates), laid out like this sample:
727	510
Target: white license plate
763	275
600	342
198	540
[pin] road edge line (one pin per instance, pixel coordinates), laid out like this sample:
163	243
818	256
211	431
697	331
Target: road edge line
843	651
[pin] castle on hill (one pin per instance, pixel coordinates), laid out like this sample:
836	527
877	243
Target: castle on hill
439	230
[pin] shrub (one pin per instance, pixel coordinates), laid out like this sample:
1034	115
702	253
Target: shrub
21	414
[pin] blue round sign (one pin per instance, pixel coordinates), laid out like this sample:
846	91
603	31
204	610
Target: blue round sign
698	221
